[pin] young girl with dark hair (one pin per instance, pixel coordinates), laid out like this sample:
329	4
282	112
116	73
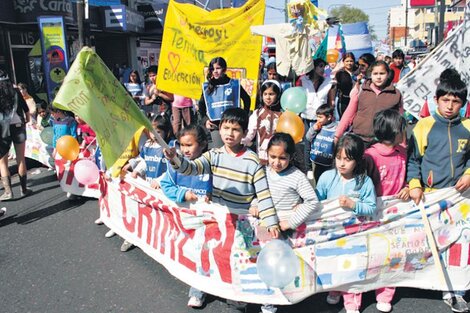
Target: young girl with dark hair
355	191
263	121
376	94
386	166
182	188
136	88
219	93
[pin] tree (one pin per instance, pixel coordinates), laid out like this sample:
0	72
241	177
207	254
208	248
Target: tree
347	14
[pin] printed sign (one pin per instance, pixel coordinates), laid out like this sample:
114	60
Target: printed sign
54	53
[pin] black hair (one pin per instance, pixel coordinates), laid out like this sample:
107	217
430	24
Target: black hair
283	138
388	124
163	124
349	55
368	58
450	83
316	62
353	147
390	73
212	82
138	76
152	69
197	131
276	106
325	109
398	54
42	104
271	66
7	93
235	115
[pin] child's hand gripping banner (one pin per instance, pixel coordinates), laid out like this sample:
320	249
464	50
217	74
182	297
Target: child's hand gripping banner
193	36
215	249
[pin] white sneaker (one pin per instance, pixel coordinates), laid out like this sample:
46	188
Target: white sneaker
126	245
384	307
110	234
195	302
98	221
333	299
3	211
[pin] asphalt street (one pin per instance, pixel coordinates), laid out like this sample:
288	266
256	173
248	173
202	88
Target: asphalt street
53	258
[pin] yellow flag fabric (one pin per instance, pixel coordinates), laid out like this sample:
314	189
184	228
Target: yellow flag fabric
131	151
193	36
91	91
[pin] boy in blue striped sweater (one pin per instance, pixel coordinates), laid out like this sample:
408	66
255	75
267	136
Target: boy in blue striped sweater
237	173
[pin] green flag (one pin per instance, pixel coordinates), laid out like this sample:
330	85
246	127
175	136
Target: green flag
322	49
91	91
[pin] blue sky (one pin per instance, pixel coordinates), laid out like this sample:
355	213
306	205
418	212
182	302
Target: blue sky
377	11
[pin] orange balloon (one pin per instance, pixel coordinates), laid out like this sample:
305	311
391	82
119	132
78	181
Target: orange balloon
292	124
68	147
332	56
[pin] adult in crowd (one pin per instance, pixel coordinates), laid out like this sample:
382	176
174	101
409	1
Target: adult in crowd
398	65
318	90
156	101
14	114
135	87
219	93
31	100
344	83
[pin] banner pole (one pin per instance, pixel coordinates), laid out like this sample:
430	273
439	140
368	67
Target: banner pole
432	244
162	143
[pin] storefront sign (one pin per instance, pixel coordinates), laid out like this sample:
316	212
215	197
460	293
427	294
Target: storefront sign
422	3
120	17
154	16
54	52
30	10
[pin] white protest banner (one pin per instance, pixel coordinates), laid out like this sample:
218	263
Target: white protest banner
215	249
68	182
35	148
420	84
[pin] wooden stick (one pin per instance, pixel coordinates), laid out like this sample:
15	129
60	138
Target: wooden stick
433	246
162	143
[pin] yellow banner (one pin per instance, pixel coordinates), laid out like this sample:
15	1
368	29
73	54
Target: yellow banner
193	36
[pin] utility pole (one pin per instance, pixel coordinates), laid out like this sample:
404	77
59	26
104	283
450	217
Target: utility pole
81	28
442	14
406	23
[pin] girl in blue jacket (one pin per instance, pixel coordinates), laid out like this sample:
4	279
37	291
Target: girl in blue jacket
355	191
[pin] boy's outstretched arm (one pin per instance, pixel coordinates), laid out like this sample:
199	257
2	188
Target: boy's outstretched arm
199	166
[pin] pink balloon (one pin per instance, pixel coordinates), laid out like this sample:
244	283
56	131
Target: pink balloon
86	172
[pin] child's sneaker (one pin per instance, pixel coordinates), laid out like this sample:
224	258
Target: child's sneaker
384	307
457	304
126	245
110	234
195	302
3	211
98	221
333	298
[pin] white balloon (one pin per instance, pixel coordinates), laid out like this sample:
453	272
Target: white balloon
277	264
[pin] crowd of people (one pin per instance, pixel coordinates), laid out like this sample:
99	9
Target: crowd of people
355	146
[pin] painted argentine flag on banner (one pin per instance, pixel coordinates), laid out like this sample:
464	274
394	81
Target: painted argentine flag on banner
356	37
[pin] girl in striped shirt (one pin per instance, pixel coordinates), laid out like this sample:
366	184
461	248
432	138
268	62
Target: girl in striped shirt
293	197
